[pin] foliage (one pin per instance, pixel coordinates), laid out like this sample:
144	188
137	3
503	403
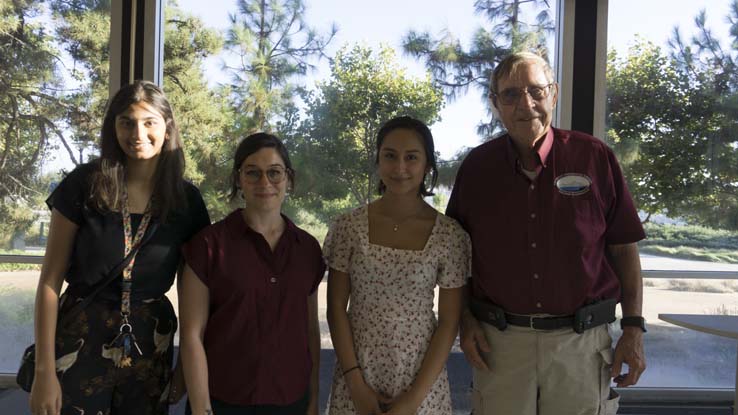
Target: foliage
727	256
273	44
203	115
690	236
336	143
455	69
30	105
672	121
691	242
82	29
659	146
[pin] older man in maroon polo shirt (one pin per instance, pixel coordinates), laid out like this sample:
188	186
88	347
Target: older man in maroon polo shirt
554	234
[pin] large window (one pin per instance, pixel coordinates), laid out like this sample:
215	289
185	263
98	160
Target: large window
53	90
225	82
325	84
671	89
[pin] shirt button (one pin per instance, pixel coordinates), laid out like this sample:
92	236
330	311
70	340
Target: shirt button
273	279
538	305
532	215
535	276
533	245
532	187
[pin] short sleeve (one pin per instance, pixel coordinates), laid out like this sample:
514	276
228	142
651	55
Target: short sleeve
69	195
338	246
623	224
198	213
454	265
198	254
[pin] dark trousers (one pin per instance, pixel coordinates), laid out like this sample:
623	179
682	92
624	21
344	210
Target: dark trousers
223	408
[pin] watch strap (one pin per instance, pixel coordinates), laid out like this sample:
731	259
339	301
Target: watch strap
633	321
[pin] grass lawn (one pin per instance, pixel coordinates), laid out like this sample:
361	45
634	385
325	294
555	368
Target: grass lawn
691	242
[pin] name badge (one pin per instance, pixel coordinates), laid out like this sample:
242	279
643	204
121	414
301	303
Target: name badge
573	184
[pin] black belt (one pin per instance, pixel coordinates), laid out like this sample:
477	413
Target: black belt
540	323
585	318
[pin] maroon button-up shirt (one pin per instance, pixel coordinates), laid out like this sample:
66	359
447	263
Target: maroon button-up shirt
539	246
256	340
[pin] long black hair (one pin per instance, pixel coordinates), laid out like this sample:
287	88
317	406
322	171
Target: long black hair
109	178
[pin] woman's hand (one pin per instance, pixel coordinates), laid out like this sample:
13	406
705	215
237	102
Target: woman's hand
405	404
177	387
46	395
366	400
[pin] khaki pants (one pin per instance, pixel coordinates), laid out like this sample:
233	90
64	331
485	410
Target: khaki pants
556	372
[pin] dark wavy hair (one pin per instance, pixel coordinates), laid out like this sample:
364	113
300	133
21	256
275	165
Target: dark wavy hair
110	175
419	127
251	145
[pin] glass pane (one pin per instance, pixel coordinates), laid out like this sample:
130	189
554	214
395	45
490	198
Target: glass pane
54	68
236	85
671	103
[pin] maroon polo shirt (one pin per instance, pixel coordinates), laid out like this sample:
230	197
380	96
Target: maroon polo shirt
539	246
256	340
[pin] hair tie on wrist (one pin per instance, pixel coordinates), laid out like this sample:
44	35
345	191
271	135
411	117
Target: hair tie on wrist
348	370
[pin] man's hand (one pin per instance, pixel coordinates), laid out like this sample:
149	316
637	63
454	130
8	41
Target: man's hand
629	350
472	340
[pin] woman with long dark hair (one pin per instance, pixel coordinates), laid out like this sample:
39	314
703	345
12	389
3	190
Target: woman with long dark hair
250	335
115	355
386	259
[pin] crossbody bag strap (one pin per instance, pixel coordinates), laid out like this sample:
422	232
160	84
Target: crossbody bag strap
112	275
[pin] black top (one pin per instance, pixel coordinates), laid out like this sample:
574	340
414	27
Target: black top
98	245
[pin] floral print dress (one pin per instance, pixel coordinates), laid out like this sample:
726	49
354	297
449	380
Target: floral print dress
391	304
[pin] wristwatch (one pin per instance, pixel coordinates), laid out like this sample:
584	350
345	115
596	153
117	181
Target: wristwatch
633	321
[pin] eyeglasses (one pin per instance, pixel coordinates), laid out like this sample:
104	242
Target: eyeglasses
511	96
275	174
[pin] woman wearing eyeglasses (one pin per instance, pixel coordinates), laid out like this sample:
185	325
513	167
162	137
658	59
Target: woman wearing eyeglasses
250	340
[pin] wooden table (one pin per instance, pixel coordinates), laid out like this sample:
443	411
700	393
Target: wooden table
719	325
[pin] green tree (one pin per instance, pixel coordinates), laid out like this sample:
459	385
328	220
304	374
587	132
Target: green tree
672	121
82	29
335	150
455	68
272	44
203	114
713	71
655	121
29	109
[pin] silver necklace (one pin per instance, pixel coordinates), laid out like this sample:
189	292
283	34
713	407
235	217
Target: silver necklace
396	224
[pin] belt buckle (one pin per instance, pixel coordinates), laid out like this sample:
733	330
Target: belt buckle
532	326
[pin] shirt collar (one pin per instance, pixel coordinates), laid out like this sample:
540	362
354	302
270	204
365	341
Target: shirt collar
234	222
543	150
